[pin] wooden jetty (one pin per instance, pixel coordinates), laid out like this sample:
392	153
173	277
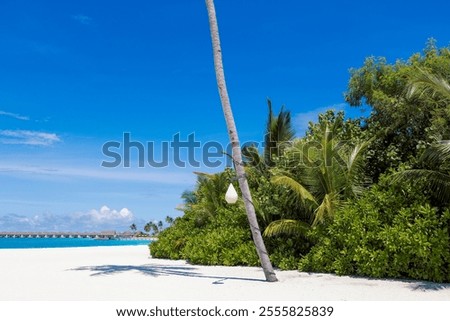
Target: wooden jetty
107	235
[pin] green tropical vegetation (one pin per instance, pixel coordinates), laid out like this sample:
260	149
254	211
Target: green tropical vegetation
367	196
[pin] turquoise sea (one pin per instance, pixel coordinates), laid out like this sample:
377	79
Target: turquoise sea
30	243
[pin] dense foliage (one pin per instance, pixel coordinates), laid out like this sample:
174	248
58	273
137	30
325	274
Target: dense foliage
367	196
403	124
391	231
210	232
223	239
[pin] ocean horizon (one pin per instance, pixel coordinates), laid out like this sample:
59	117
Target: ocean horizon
65	242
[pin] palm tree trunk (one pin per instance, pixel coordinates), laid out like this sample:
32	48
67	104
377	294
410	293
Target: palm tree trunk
237	157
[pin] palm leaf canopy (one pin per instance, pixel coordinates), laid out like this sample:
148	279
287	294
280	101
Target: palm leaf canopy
324	172
434	170
279	132
423	82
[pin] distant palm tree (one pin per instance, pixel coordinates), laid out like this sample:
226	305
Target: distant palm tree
327	172
149	227
169	220
237	156
153	228
133	227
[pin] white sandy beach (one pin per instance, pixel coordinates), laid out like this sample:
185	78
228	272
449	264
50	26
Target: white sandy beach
128	273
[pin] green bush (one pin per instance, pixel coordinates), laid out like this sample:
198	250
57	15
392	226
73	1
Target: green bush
171	241
286	250
391	231
222	239
225	246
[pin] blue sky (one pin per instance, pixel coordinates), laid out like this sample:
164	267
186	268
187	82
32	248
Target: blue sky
75	75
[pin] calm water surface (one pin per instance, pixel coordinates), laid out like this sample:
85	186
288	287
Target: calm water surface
30	243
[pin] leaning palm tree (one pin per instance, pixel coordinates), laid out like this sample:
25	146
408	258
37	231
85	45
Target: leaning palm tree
237	156
327	172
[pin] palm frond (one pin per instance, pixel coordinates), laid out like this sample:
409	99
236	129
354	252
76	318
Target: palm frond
285	131
252	157
204	175
355	167
436	155
422	81
287	227
298	188
438	182
279	131
189	197
325	209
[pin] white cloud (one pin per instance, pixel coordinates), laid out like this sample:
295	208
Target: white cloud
83	19
90	221
106	216
13	115
28	137
301	120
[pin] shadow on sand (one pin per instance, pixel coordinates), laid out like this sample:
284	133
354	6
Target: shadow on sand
414	285
159	270
428	286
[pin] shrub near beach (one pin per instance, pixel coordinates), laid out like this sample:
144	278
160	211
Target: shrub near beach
210	232
222	242
392	231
